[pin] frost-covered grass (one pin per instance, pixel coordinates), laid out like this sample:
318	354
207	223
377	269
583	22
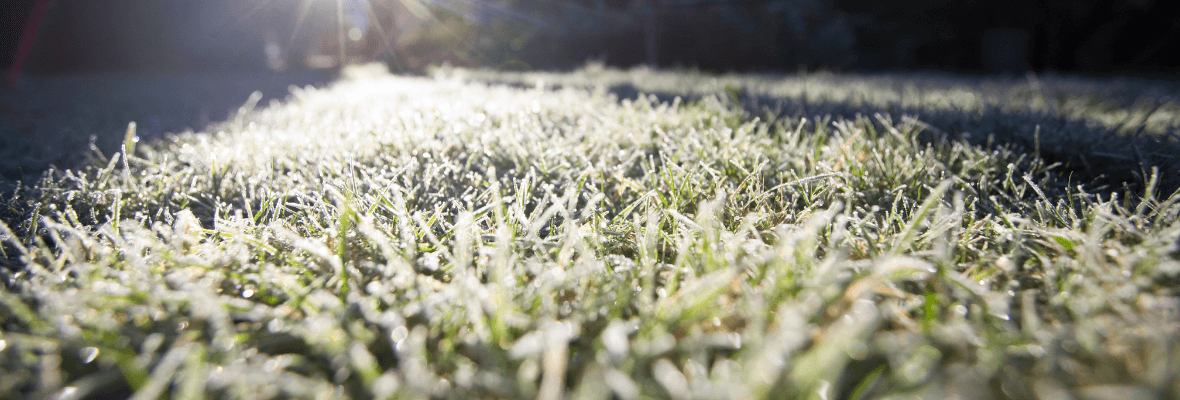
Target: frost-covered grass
1109	131
402	237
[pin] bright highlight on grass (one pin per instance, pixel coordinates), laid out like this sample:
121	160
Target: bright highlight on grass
402	237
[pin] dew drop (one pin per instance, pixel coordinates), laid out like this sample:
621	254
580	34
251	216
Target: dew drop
399	334
89	354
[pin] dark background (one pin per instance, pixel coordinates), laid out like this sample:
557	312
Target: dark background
1086	37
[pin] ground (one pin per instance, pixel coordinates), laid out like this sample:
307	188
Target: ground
605	233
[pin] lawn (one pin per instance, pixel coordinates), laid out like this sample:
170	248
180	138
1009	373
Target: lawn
610	233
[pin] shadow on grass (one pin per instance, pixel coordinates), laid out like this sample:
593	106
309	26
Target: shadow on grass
1099	158
58	119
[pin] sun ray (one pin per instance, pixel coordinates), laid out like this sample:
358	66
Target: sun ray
377	22
257	6
419	10
340	31
237	21
304	9
484	8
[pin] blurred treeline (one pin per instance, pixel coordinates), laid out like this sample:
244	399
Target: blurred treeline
1099	36
1094	36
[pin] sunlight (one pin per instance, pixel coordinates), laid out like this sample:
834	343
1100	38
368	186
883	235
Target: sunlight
340	31
410	33
352	22
380	30
304	8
